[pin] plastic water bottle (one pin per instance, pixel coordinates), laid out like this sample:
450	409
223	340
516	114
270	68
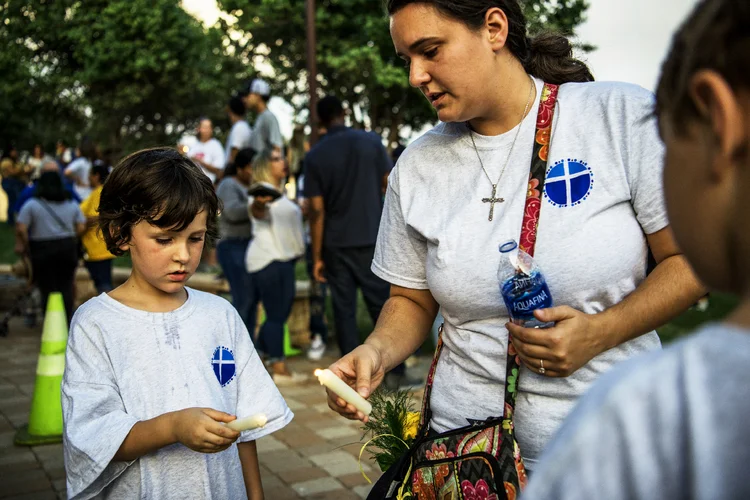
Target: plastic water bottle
522	286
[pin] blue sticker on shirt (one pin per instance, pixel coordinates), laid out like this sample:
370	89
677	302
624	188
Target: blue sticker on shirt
569	183
223	364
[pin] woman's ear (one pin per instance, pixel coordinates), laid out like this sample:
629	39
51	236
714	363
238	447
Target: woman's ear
496	25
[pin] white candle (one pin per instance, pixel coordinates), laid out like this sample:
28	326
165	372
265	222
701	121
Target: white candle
339	387
245	424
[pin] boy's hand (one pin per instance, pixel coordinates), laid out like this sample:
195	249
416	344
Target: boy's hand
201	429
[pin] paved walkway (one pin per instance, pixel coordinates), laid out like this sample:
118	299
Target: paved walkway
314	457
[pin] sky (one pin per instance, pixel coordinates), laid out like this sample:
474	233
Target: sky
632	38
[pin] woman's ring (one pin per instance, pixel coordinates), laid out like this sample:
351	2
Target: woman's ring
541	365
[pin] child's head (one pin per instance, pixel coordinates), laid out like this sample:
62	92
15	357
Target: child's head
703	102
159	206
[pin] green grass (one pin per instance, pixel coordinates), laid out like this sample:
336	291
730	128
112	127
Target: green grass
7	241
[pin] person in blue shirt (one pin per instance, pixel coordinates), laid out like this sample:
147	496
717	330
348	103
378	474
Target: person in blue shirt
30	190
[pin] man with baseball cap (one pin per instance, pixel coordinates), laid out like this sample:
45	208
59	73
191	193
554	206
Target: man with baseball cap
266	134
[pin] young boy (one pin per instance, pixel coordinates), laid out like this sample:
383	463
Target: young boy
672	425
155	369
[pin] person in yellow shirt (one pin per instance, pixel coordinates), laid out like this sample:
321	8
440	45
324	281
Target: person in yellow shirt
97	258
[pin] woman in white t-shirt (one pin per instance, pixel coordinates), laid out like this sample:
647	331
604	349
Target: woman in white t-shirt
278	241
461	189
208	152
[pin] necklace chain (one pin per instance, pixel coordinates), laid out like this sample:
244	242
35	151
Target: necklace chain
507	159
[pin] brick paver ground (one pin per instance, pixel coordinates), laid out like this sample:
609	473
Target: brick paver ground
314	457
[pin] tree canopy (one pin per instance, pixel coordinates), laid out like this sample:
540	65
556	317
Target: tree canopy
127	73
355	55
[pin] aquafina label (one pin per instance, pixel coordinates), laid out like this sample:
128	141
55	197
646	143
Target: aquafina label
522	286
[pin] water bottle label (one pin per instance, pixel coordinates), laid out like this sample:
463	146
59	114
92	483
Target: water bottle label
524	295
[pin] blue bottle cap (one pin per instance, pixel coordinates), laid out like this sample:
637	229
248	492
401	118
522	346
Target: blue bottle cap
508	246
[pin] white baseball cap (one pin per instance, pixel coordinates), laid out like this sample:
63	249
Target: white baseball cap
259	87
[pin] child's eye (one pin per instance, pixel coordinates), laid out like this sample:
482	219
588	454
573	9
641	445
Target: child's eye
163	241
196	239
429	54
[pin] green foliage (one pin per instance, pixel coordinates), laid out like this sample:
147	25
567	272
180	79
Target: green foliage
355	55
385	427
130	73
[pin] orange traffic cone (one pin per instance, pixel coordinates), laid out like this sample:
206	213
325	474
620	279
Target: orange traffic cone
45	418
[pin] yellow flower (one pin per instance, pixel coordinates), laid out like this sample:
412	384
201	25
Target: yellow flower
411	425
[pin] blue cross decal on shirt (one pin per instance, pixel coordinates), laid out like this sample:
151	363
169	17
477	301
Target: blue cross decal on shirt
223	365
569	183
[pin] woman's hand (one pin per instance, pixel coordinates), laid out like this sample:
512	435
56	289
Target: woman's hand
562	349
362	369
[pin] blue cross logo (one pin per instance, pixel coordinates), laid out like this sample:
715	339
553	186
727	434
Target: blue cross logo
223	364
569	183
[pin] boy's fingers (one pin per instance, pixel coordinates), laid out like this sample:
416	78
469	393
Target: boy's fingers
219	416
222	430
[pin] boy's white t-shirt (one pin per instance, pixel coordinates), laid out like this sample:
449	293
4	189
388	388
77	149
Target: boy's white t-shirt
603	194
210	152
125	365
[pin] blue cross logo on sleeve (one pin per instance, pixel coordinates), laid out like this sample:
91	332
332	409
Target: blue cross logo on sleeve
569	183
223	364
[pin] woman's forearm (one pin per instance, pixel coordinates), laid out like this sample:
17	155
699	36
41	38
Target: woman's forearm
403	325
668	291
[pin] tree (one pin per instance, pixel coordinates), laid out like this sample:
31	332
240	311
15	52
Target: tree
356	59
137	72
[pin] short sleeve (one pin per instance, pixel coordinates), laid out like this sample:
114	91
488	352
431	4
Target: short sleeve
87	206
400	252
95	422
240	136
26	214
274	133
645	163
219	158
256	392
80	217
313	185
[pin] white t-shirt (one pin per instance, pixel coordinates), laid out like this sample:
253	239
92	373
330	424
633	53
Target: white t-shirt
666	426
603	192
210	152
124	365
277	237
80	168
239	137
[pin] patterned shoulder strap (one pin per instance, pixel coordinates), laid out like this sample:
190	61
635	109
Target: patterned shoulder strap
532	209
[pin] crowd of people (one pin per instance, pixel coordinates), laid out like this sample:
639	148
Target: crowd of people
589	407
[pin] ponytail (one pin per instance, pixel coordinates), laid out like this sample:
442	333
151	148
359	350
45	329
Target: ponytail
549	56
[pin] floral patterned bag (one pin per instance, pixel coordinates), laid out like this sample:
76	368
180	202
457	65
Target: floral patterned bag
481	461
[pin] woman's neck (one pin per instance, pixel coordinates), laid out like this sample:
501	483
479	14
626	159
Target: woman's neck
508	106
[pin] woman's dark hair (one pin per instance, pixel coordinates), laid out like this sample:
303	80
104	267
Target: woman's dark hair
242	159
87	149
548	56
102	171
236	106
159	186
50	187
714	37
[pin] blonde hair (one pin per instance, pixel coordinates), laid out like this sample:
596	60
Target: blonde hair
262	169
